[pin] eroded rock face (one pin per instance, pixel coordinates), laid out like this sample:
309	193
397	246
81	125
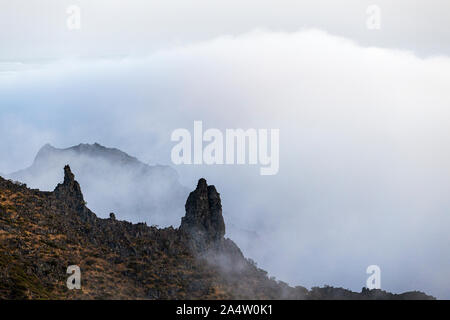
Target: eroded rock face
203	219
70	190
70	196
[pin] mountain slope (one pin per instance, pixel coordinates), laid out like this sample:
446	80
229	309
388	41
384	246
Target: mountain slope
42	233
112	181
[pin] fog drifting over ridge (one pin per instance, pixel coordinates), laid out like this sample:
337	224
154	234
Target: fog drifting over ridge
364	164
111	179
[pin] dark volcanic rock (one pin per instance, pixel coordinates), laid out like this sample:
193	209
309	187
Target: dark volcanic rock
70	196
204	220
70	190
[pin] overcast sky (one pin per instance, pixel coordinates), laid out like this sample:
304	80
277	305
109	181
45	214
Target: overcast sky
36	29
363	117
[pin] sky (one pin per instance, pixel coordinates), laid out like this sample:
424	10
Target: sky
35	30
363	118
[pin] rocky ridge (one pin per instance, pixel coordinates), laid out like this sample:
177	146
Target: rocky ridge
42	233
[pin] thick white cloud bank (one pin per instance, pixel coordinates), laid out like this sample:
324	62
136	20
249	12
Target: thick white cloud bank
364	144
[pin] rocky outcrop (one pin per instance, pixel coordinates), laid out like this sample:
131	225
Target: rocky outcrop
69	194
203	220
70	190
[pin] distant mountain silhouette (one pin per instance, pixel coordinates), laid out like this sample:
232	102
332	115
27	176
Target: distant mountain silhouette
112	181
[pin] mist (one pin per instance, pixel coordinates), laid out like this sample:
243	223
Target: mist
364	135
111	180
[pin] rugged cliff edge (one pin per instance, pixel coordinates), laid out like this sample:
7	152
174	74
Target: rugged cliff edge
42	233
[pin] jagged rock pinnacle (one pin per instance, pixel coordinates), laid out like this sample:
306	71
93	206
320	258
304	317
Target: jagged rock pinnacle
69	177
70	190
203	218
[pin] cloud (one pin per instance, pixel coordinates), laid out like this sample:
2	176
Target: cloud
364	131
34	30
